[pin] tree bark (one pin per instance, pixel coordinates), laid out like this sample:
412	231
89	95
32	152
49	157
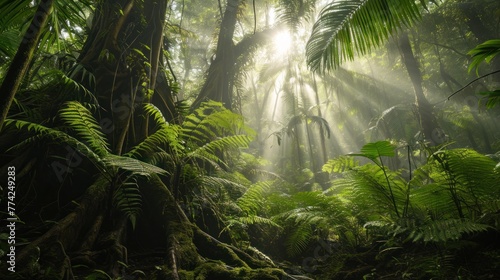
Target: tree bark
218	84
22	59
432	133
223	70
123	51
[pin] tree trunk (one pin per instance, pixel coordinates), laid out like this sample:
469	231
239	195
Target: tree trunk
432	133
123	51
223	70
218	84
22	59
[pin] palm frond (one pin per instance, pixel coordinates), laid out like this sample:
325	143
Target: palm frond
291	12
484	52
66	17
348	27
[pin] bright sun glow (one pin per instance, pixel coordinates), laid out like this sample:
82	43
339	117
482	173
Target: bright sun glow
282	42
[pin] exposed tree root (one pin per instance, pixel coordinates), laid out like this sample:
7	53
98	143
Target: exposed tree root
94	235
66	232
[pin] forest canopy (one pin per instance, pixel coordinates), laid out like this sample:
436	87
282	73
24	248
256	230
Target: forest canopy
269	139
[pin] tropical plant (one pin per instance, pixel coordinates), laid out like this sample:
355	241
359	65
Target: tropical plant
486	52
444	199
348	27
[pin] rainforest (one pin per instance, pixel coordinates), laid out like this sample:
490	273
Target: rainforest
238	139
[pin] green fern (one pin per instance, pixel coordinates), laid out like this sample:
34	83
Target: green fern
298	239
211	120
339	164
41	132
166	135
133	165
80	119
463	179
301	212
128	199
445	230
252	201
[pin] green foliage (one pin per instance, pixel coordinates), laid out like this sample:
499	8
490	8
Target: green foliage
128	199
291	12
374	151
90	142
308	215
80	119
339	164
445	230
449	196
211	120
67	16
485	52
348	27
166	135
464	184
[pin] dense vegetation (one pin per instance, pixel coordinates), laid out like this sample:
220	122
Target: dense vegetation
277	139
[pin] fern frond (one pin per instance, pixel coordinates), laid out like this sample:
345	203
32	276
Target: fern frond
298	240
157	115
164	136
62	138
212	182
225	143
370	187
445	230
80	119
128	199
257	220
252	201
465	175
435	199
210	120
340	164
133	165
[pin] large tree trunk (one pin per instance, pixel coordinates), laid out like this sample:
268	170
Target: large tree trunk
123	51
